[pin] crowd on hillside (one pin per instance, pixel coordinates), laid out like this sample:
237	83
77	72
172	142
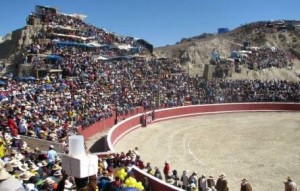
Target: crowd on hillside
266	58
68	51
90	89
270	26
227	91
256	59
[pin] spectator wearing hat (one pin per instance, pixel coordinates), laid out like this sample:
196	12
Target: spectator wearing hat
68	186
211	183
185	180
57	174
157	173
289	184
136	151
51	155
15	164
202	184
45	169
9	168
25	176
167	170
82	184
55	168
175	177
38	155
222	184
193	179
34	169
245	185
49	184
58	160
22	127
149	169
23	167
9	182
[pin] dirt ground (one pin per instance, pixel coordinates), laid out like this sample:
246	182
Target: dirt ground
262	146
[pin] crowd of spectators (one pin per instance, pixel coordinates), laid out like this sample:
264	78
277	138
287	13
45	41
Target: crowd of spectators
269	57
73	31
23	168
254	59
227	91
269	26
56	106
90	90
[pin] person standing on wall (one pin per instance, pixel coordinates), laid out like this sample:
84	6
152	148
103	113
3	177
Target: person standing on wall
51	155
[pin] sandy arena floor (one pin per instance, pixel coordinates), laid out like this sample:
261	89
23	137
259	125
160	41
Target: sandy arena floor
262	146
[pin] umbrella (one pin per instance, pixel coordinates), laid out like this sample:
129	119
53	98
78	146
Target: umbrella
2	97
2	82
30	78
10	75
48	87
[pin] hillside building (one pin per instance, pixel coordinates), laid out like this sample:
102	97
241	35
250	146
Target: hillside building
223	30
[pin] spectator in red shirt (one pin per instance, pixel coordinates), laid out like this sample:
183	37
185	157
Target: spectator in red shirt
167	169
12	126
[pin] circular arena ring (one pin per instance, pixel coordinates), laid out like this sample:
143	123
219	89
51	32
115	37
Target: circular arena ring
260	141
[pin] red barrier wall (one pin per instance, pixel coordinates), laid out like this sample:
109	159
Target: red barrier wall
124	127
121	129
157	185
219	108
97	127
105	124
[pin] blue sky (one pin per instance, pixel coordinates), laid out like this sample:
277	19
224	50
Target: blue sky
160	22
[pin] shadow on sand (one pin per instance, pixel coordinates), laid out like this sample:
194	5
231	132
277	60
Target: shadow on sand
99	146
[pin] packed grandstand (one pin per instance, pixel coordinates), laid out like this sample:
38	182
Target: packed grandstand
85	75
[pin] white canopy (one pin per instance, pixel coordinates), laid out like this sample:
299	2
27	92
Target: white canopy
73	36
96	44
62	27
245	52
101	58
78	16
124	46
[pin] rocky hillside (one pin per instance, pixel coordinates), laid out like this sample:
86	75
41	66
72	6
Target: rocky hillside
11	47
195	52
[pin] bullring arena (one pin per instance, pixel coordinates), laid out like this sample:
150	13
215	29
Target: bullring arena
262	146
